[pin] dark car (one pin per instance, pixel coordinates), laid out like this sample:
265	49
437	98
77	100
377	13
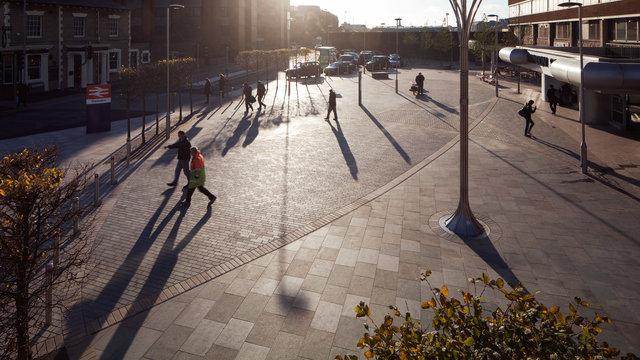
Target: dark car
348	58
378	62
396	61
339	67
305	69
365	56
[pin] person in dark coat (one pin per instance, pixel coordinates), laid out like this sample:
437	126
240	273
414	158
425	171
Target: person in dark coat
420	83
184	154
553	100
332	105
261	91
222	82
527	110
248	98
207	91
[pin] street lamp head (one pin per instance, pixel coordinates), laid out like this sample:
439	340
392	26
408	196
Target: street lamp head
175	6
569	4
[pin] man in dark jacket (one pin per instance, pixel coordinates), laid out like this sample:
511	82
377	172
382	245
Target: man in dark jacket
332	105
221	84
248	98
184	154
553	100
261	91
527	110
420	83
207	91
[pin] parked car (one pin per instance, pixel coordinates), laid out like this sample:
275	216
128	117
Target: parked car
339	67
396	61
365	56
350	59
378	62
305	69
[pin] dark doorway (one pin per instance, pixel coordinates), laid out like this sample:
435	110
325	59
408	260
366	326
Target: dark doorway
77	71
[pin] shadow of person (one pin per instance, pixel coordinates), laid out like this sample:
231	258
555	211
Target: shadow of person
237	133
345	149
152	288
253	131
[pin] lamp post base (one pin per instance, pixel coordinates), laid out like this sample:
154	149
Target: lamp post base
464	224
583	157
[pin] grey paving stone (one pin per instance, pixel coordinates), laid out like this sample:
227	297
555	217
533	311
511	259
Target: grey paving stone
194	312
286	346
326	316
314	283
348	332
265	330
234	334
218	352
252	351
203	337
169	342
340	275
297	321
316	345
251	307
224	308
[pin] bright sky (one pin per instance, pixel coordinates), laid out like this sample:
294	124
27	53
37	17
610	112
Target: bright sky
413	12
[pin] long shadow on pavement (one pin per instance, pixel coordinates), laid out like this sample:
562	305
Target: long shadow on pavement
393	141
237	133
346	150
253	131
158	276
488	252
563	197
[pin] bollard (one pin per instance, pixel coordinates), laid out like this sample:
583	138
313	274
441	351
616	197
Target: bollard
96	195
113	171
76	207
359	87
128	151
49	295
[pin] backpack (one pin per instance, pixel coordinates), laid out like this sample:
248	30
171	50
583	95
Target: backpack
522	112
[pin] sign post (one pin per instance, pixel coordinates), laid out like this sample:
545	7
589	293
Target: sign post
98	108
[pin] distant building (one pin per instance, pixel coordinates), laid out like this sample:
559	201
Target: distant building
309	24
549	37
69	43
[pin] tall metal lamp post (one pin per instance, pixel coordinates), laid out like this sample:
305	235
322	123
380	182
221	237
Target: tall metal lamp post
495	53
447	26
397	26
168	125
583	145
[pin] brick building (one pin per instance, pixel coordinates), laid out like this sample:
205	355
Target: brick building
69	43
549	38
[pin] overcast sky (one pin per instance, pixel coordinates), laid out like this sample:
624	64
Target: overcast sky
413	12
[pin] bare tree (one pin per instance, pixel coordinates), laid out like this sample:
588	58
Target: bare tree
35	211
129	91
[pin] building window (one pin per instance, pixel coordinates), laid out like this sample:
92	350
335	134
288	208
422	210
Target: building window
33	63
543	31
621	30
114	60
34	26
591	30
632	30
7	69
563	30
78	26
113	27
146	57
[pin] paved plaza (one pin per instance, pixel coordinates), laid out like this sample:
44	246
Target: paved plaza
314	216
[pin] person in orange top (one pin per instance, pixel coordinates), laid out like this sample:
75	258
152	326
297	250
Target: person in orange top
197	178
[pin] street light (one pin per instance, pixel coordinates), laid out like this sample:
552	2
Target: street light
168	128
397	26
447	25
583	145
494	56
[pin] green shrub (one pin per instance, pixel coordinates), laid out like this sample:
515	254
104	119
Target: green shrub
524	329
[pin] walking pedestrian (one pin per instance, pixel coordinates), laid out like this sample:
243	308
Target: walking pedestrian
248	98
526	112
197	178
207	91
261	91
420	82
183	145
332	105
552	98
222	82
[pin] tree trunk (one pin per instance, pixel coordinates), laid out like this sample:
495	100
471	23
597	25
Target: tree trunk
22	316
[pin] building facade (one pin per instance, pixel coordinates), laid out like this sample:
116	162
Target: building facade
68	43
549	38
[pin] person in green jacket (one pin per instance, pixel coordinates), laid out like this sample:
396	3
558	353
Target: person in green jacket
197	178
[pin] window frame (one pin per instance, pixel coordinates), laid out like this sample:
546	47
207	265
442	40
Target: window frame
76	19
114	23
31	26
37	67
118	60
